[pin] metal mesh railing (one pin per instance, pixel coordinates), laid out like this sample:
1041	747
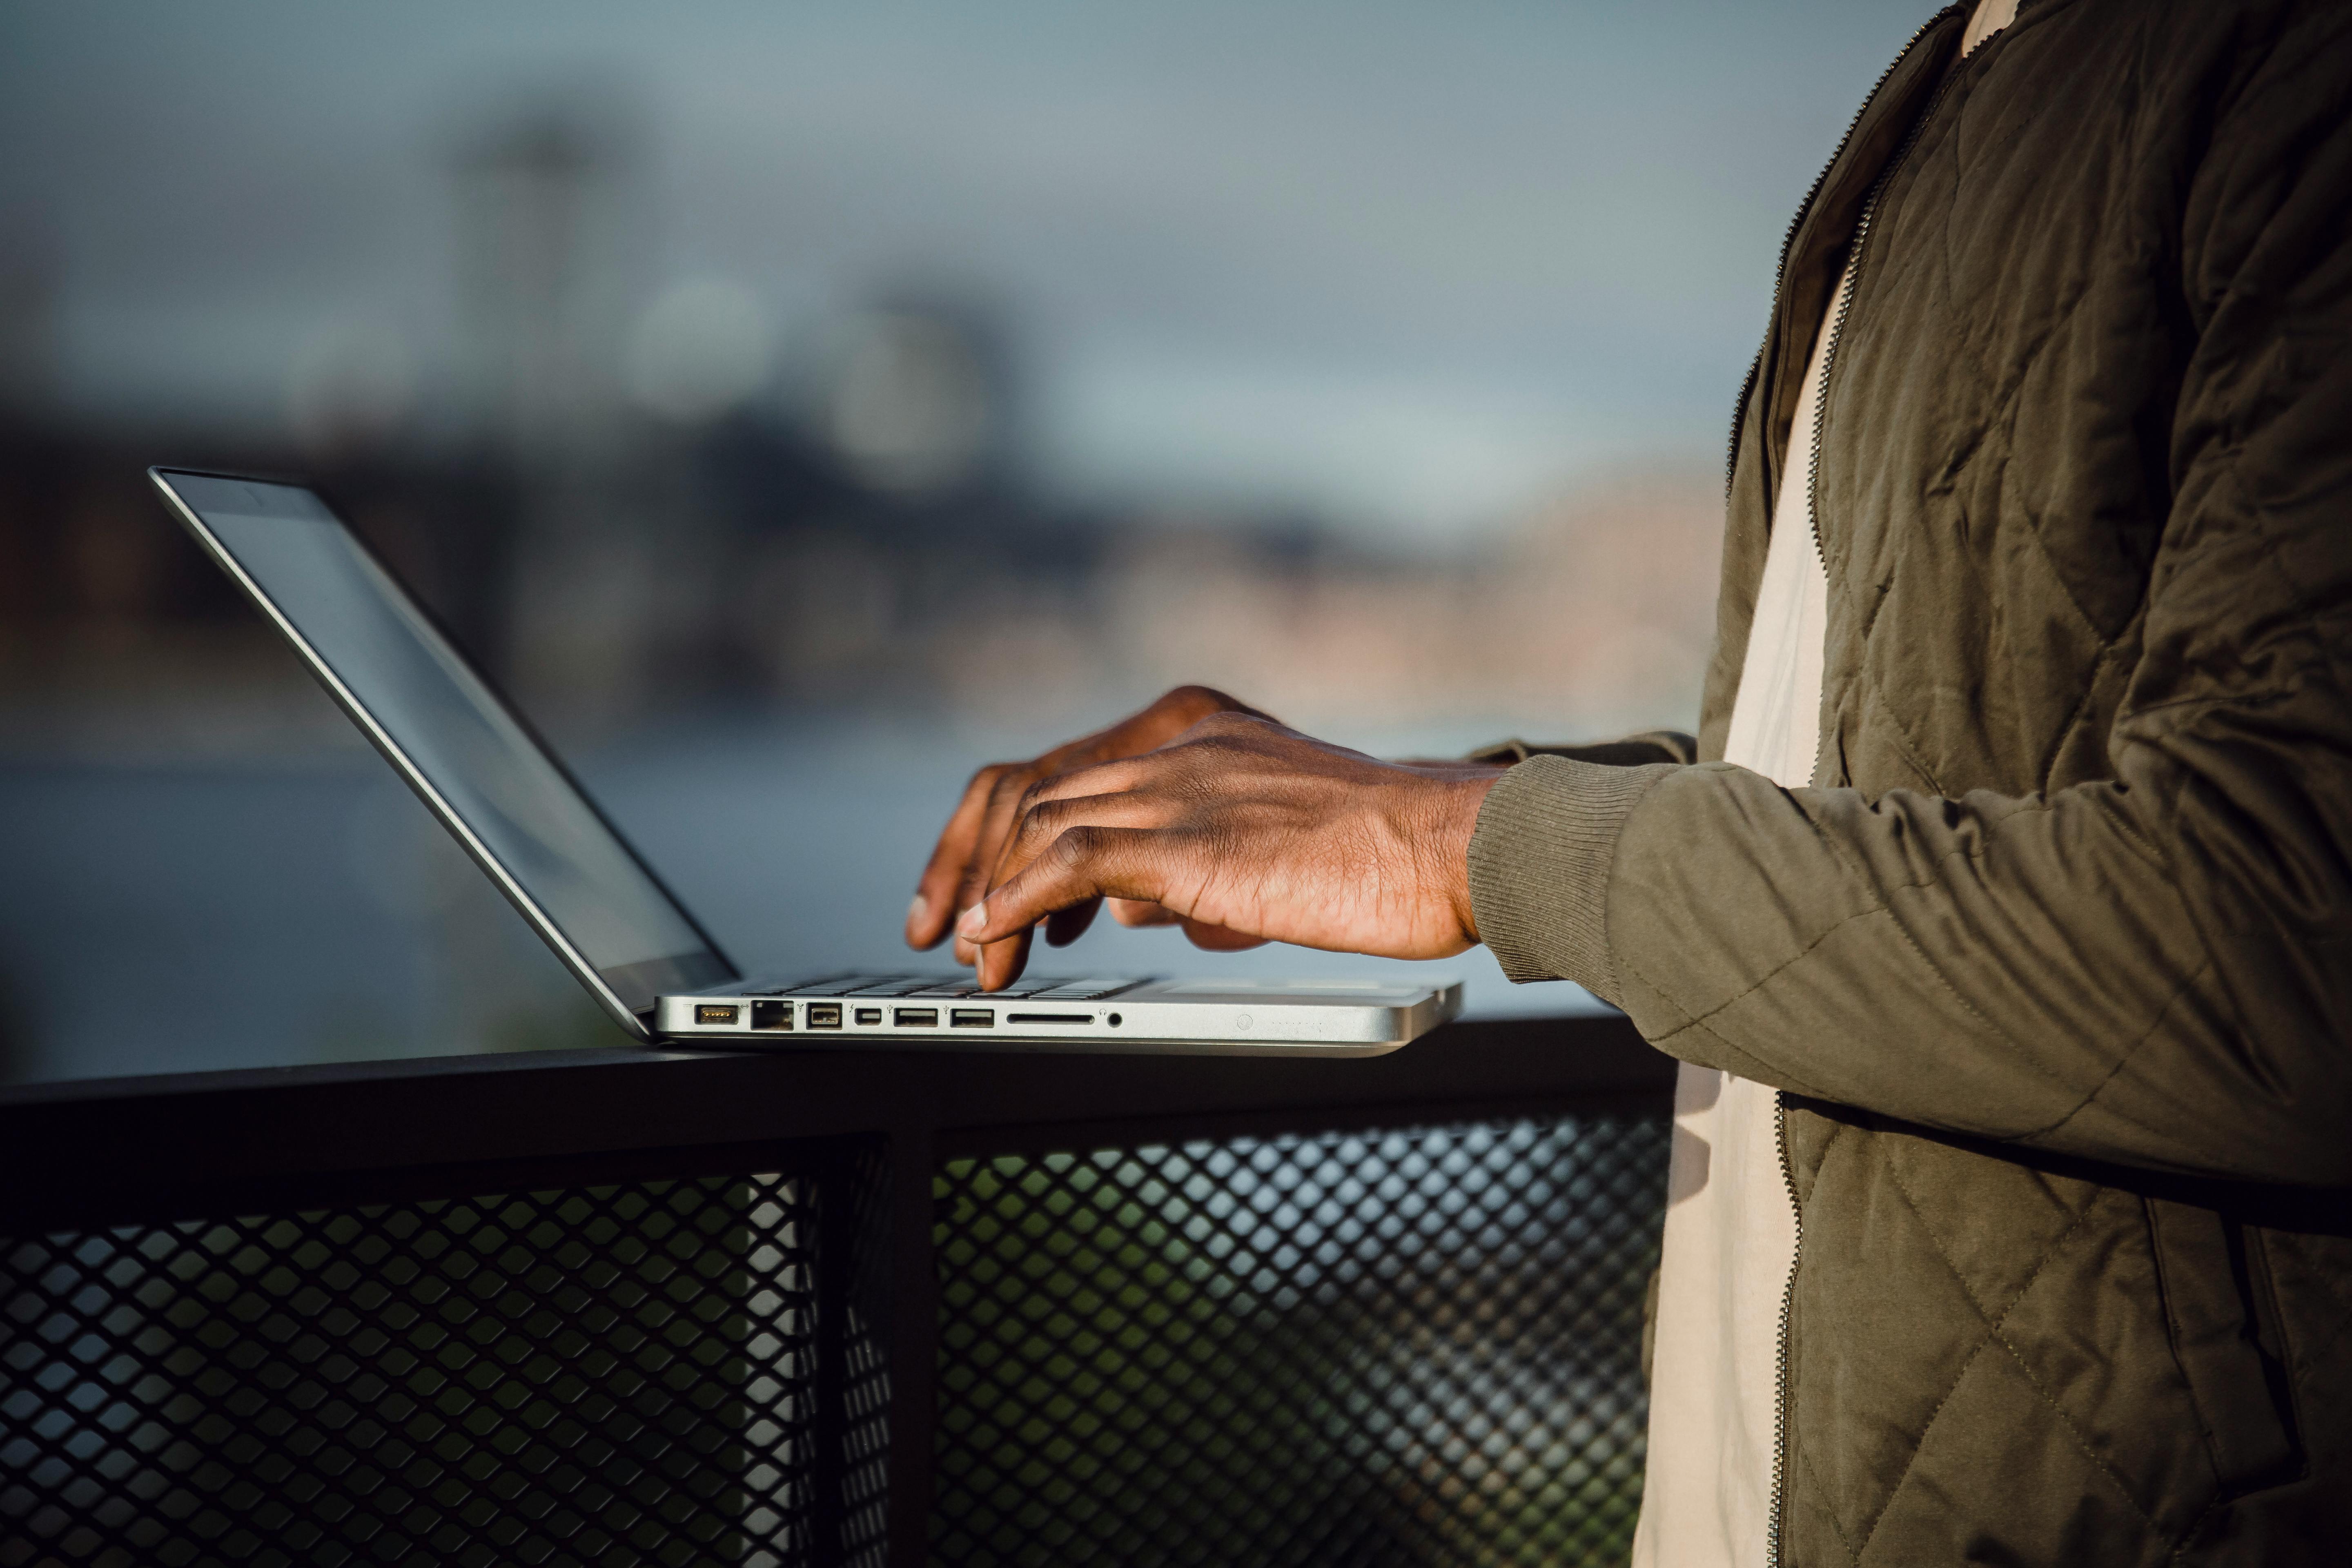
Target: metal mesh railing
1398	1347
614	1375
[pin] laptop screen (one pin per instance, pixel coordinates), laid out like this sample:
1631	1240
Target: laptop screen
456	734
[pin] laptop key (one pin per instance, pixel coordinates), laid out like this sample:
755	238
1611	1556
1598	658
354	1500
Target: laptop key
873	984
796	989
1088	990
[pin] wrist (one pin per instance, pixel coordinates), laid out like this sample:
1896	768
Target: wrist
1461	797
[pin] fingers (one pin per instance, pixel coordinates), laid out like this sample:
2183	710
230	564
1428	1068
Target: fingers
1045	820
973	843
1085	862
1064	819
1216	938
935	909
969	847
1000	962
998	816
1064	927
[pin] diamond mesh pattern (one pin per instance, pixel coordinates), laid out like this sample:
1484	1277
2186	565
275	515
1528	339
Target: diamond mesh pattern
1403	1347
598	1375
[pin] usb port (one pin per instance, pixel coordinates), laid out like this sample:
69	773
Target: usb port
716	1013
772	1014
868	1017
972	1018
824	1015
917	1017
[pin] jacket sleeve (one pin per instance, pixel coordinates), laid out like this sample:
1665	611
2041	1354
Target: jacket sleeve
2154	968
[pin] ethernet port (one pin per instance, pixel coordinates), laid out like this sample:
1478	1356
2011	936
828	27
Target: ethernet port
772	1014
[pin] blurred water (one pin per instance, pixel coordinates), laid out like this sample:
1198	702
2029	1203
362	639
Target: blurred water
183	915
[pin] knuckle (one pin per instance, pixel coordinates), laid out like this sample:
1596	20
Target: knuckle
1192	694
1038	823
1075	847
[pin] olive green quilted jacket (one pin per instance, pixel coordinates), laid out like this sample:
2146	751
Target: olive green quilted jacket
2053	961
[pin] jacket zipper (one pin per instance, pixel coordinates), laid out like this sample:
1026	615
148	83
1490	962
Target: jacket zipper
1788	238
1840	309
1780	1338
1843	306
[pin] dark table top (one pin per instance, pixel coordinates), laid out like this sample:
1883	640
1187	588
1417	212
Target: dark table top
155	1147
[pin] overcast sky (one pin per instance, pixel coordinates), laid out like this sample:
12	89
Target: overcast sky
1407	264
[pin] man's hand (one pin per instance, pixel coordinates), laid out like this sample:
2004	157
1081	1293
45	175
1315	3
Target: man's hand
1244	832
973	842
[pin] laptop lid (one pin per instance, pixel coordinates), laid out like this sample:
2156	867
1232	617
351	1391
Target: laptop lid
465	752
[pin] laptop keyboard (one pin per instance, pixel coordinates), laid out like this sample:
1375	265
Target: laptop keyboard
947	987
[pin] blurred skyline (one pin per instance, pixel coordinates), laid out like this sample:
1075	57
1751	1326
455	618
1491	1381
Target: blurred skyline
1407	268
799	407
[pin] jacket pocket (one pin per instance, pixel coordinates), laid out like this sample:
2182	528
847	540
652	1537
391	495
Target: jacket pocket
2223	1323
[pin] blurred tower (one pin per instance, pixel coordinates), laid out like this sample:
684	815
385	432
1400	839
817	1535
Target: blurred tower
28	344
543	191
548	204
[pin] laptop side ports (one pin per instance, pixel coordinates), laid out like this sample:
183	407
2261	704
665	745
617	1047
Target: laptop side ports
972	1018
716	1011
824	1015
868	1017
772	1014
916	1017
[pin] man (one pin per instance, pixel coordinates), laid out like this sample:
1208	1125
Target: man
2001	911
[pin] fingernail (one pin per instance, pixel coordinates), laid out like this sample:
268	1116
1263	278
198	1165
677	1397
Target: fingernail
974	922
918	910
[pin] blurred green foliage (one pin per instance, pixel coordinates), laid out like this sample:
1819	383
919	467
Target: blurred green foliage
1400	1348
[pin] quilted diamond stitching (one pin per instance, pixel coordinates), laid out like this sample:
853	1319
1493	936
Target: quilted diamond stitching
1805	1457
1993	1333
2334	1336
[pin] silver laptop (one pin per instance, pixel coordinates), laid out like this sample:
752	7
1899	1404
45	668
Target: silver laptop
595	900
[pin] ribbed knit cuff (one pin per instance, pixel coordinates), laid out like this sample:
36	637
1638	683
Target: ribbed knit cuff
1539	867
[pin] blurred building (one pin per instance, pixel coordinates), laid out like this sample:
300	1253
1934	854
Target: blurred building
631	500
758	567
